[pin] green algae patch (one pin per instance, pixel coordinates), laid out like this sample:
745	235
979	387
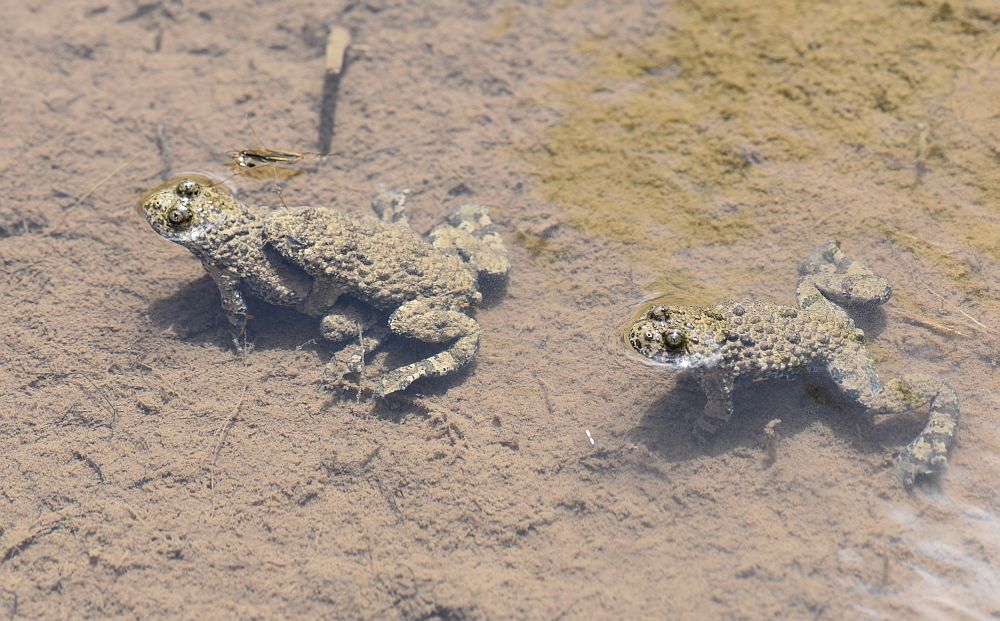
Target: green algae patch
504	21
540	247
637	169
959	273
611	168
906	392
739	123
682	288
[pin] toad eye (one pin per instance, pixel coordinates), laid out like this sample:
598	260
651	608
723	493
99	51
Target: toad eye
674	339
649	336
187	188
179	215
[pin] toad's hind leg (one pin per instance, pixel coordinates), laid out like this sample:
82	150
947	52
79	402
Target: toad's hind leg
427	321
468	233
829	280
854	372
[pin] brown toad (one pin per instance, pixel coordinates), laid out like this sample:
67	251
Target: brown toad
748	340
309	259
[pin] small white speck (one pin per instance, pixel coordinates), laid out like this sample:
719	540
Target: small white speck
590	437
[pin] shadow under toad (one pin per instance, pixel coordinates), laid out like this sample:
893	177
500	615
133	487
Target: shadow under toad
398	352
871	320
666	431
194	314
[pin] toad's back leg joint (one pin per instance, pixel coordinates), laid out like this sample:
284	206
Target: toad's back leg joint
345	320
425	321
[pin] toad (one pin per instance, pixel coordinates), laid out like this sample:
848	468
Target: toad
745	340
324	263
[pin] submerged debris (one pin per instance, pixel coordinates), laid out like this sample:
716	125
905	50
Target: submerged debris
771	440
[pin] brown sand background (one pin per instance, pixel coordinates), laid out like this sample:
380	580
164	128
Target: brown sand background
697	149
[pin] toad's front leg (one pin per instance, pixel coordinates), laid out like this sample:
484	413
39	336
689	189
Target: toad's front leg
718	387
233	303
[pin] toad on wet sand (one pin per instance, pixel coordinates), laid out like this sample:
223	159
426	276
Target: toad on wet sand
323	263
748	340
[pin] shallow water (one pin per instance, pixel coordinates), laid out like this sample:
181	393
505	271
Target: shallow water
696	152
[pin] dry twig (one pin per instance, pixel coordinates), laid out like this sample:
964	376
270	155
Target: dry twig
224	430
931	326
107	177
336	63
959	310
771	440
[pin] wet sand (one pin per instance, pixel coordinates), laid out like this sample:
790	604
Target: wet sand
698	150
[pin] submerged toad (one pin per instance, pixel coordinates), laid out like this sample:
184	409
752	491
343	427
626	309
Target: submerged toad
309	258
747	340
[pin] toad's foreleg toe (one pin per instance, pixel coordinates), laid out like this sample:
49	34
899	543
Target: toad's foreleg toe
718	387
390	205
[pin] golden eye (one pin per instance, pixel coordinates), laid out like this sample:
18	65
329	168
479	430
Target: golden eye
187	188
179	215
674	339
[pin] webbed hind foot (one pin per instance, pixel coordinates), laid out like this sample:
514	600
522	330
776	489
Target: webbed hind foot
351	359
927	454
839	279
469	234
853	370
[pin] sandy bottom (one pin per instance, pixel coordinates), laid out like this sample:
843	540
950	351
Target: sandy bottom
700	150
